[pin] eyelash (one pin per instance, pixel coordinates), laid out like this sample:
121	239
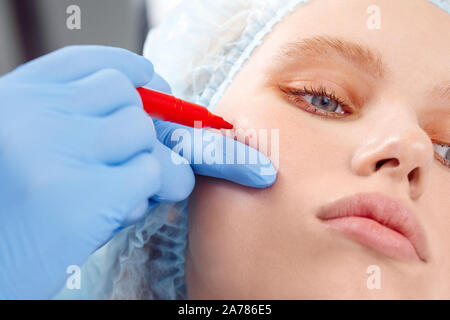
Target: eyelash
438	156
296	95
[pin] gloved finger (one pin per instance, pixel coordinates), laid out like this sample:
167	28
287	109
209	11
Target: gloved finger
177	178
159	83
112	139
136	214
99	94
194	144
75	62
140	212
131	185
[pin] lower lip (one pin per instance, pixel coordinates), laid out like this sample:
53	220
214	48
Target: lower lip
374	235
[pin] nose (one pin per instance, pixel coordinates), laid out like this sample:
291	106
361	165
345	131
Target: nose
403	153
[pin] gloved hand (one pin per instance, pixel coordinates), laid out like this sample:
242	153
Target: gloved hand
79	160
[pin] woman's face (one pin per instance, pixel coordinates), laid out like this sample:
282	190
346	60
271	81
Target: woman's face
388	101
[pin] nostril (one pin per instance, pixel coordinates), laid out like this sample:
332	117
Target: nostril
413	175
393	162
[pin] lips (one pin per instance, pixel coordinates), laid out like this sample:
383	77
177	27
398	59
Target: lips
379	223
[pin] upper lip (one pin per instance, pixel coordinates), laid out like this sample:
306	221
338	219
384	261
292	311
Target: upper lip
384	210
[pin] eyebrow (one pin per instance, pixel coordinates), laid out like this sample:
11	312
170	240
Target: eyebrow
363	57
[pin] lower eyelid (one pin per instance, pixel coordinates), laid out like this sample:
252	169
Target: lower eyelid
442	160
437	149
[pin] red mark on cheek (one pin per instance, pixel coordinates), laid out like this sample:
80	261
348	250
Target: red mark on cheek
246	136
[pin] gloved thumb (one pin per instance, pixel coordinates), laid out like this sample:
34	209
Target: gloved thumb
206	153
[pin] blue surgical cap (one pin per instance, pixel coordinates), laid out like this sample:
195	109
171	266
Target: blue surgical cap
198	49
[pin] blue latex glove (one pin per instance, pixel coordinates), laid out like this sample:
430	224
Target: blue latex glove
79	160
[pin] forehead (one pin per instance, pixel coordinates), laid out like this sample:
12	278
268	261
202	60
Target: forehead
410	39
408	23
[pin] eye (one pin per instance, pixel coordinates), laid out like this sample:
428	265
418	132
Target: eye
318	101
442	153
324	103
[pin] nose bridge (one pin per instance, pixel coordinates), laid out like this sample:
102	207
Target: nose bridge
395	146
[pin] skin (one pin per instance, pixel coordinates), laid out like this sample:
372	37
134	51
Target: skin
268	244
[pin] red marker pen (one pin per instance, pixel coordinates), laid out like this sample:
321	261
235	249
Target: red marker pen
166	107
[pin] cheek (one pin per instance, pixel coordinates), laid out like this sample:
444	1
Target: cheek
224	231
232	229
